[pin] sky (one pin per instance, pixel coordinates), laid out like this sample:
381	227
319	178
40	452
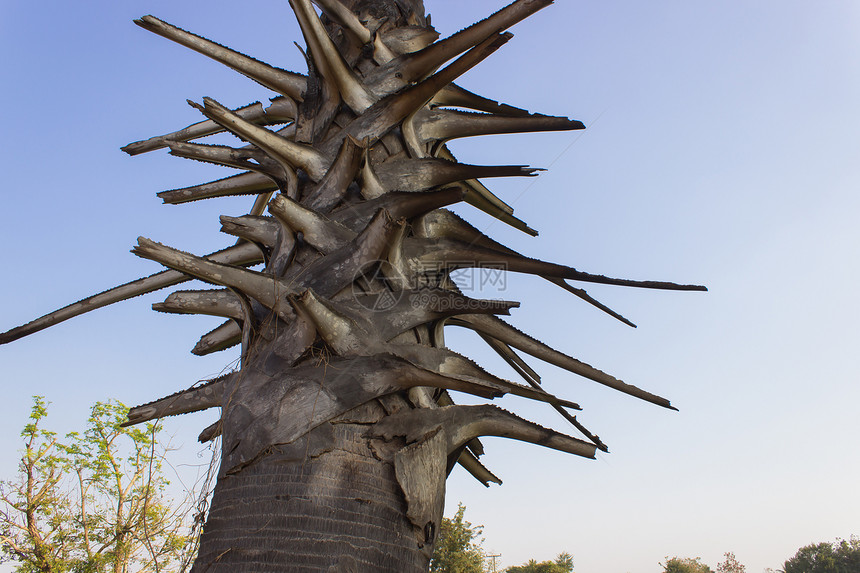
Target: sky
721	149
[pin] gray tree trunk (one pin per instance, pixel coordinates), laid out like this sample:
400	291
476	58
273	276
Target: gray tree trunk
329	502
337	510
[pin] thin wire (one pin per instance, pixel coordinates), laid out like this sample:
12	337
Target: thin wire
534	181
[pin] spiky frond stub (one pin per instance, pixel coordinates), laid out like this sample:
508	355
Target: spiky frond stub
341	329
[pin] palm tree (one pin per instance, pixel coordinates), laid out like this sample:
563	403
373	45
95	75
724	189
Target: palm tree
337	430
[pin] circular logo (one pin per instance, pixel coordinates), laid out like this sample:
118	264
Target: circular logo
378	290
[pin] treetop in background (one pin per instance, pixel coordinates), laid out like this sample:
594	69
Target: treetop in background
92	502
563	563
840	556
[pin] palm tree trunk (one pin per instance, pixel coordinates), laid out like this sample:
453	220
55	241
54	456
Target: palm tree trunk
326	503
329	501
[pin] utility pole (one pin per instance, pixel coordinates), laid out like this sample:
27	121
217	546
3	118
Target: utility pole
493	557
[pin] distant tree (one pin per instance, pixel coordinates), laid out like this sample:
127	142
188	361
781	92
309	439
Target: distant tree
92	502
458	546
841	556
731	565
685	565
563	564
564	560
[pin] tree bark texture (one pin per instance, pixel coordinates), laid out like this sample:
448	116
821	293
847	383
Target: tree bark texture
335	507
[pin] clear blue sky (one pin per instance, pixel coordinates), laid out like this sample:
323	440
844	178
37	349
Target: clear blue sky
722	148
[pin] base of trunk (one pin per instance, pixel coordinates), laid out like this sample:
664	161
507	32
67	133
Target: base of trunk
326	503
